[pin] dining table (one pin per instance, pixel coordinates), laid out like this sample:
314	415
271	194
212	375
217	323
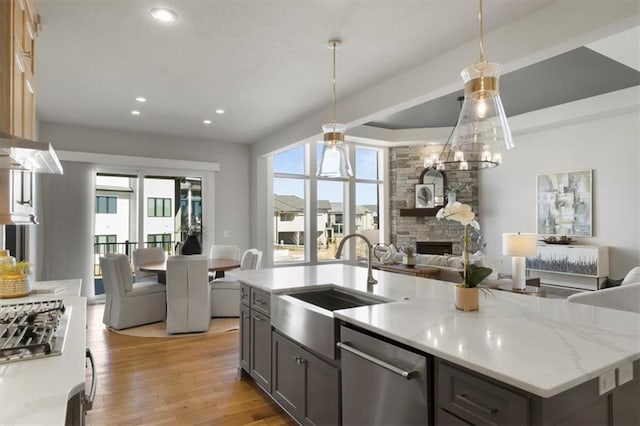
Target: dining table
217	265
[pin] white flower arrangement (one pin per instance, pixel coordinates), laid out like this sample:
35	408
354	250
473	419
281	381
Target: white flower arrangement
463	214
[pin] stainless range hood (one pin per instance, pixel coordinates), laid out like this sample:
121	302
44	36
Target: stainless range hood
24	154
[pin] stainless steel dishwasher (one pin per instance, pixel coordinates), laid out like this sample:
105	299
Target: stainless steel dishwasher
383	384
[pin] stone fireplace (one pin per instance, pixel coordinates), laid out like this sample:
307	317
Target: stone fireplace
406	165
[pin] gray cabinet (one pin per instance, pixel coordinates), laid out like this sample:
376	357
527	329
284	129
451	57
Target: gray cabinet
466	397
255	335
288	375
477	401
245	337
260	351
304	384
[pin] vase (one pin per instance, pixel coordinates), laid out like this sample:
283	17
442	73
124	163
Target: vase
467	299
409	260
191	246
451	197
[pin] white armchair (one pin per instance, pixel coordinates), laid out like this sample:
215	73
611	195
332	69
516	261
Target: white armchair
146	256
187	294
225	292
625	297
128	306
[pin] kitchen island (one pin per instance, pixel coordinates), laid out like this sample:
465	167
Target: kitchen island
36	392
543	348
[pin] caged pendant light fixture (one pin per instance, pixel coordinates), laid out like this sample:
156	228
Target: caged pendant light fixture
482	132
334	160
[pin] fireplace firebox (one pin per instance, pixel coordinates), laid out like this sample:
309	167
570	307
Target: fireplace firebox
434	247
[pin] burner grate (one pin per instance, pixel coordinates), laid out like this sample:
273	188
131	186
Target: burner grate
28	330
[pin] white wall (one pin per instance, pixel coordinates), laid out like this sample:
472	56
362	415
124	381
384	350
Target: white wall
609	146
231	182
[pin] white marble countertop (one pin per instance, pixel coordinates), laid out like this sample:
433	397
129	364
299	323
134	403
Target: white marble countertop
35	392
543	346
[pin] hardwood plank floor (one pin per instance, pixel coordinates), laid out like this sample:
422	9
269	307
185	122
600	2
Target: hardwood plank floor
176	381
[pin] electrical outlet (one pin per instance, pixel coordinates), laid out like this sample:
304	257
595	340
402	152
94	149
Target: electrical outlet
607	382
625	373
227	234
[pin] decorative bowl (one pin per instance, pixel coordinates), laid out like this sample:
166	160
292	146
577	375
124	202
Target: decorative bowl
564	240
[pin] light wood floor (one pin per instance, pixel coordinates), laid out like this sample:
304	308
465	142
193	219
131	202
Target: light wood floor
176	381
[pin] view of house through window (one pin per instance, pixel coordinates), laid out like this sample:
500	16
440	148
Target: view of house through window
171	209
331	208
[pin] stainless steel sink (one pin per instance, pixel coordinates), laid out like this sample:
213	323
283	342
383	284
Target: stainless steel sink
333	299
307	315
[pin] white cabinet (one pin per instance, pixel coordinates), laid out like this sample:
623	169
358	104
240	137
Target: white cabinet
571	266
17	205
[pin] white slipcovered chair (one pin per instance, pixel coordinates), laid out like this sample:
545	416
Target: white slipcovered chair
146	256
223	252
225	292
187	294
128	306
625	297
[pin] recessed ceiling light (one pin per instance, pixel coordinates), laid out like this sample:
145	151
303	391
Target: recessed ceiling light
163	14
134	112
141	99
207	122
219	111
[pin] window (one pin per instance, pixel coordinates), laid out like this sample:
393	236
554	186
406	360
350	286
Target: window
158	207
334	215
368	187
105	244
330	217
287	217
289	201
160	240
106	204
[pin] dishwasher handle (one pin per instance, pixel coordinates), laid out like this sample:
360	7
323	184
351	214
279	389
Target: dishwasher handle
400	372
88	400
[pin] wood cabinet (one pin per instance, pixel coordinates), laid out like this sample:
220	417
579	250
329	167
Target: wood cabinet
255	335
17	68
304	384
18	29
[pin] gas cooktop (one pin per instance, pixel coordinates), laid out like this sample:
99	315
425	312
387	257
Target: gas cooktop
31	330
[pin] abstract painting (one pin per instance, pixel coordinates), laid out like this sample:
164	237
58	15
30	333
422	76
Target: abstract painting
565	204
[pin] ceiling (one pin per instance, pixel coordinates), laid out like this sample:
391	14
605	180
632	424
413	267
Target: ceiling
574	75
264	62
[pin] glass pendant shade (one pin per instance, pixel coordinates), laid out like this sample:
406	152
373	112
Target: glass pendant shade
334	161
482	131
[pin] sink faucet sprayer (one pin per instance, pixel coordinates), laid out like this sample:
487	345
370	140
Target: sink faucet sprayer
370	279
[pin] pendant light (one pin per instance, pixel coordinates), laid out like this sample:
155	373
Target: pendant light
482	132
334	160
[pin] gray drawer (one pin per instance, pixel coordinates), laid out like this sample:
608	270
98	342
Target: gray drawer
261	301
444	418
477	400
245	294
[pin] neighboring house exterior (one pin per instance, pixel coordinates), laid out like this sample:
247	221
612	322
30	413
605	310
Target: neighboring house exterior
288	220
116	216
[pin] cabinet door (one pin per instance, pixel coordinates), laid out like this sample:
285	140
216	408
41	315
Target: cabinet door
261	350
28	109
322	396
245	337
17	91
288	376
